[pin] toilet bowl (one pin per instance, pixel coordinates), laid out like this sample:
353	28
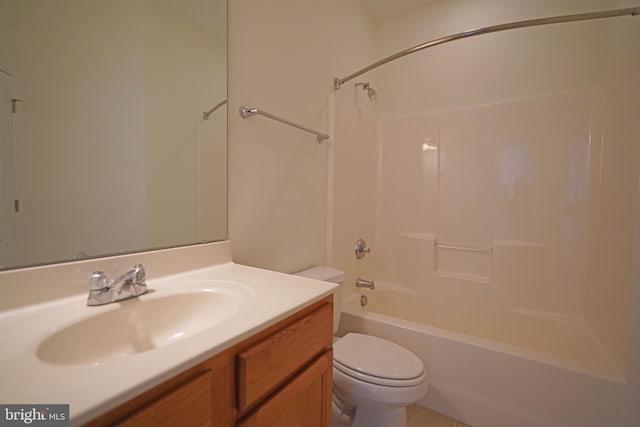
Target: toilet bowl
374	380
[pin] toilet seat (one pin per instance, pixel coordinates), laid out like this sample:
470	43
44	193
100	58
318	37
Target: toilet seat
377	361
387	382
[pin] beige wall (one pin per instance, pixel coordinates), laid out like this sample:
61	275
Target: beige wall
353	192
613	252
283	57
75	122
185	71
113	151
489	68
8	31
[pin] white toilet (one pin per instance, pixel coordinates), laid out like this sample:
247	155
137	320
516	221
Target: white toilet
374	380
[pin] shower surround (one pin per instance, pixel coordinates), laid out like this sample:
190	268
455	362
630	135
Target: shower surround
502	221
497	185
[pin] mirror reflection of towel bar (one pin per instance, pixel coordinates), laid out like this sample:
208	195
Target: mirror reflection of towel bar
462	248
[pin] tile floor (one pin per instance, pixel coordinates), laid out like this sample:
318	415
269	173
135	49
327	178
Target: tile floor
418	416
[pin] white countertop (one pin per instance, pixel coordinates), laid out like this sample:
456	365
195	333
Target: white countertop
93	389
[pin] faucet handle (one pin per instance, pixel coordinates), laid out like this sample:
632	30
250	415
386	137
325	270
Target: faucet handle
361	249
98	280
139	272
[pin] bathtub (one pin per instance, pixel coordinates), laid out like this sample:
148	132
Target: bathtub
484	371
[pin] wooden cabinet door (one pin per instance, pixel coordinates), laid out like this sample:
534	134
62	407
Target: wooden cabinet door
187	405
304	401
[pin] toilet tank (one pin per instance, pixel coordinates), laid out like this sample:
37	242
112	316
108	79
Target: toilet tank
333	275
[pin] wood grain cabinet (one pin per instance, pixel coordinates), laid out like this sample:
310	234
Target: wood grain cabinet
304	401
280	377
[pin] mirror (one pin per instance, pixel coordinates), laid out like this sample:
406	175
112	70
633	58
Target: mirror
104	147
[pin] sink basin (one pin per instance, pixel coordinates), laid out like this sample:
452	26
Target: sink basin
136	326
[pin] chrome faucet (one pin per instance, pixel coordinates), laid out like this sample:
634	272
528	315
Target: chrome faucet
129	285
361	283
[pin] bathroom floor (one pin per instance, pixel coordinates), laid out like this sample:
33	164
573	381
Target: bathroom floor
418	416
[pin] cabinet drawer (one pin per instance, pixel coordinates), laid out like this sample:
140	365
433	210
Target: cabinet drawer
269	363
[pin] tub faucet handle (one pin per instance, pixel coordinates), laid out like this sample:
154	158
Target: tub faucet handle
361	249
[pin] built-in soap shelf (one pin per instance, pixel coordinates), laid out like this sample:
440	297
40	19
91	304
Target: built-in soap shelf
466	262
517	243
419	236
499	242
461	276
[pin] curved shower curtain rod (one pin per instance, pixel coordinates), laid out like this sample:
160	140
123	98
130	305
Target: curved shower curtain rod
632	11
206	114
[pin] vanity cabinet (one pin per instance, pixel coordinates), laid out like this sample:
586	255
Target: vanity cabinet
301	402
280	376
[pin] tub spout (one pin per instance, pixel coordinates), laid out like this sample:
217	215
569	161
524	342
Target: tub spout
361	283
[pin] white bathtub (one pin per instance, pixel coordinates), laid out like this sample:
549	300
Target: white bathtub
485	371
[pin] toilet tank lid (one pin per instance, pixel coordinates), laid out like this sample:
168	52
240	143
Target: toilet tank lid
324	273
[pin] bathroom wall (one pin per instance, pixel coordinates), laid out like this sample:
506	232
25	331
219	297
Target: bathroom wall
284	55
64	60
613	251
489	68
353	189
632	412
123	84
185	155
522	143
8	31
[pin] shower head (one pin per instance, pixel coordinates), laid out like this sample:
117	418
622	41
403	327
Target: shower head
371	93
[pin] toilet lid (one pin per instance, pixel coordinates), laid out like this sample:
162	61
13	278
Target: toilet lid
375	357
